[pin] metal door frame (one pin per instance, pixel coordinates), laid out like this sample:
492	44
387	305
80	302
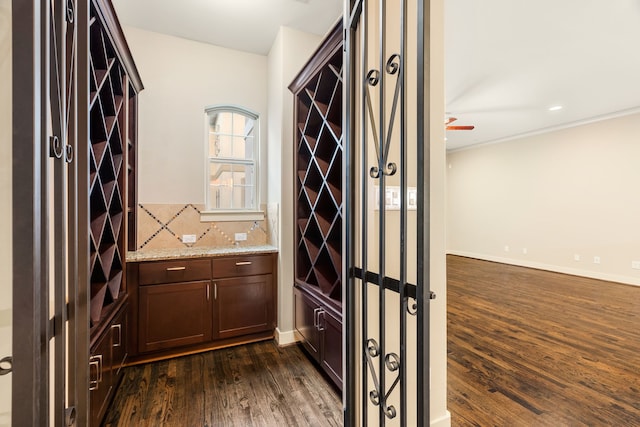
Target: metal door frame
354	10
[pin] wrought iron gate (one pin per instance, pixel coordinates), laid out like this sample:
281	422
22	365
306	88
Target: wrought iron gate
387	211
50	250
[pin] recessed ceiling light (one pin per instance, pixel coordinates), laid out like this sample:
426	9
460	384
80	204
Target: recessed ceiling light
555	108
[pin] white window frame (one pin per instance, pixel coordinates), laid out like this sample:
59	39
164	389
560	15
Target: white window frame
219	214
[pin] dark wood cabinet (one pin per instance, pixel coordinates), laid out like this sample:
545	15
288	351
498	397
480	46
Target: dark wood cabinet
244	295
174	315
330	326
187	305
306	321
100	380
243	305
321	329
108	356
318	203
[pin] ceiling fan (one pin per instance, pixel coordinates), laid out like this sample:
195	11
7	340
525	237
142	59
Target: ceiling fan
450	120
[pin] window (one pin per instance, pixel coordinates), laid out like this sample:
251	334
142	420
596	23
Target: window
232	147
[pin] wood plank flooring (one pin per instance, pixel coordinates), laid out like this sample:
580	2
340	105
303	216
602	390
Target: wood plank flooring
257	384
526	348
534	348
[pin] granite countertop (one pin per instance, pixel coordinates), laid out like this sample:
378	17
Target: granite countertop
181	253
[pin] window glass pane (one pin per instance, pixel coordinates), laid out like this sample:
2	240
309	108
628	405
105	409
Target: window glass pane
232	151
231	186
231	135
220	185
220	145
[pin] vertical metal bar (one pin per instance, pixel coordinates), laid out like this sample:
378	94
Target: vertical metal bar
44	160
348	235
364	35
403	218
423	211
80	318
58	63
382	217
29	272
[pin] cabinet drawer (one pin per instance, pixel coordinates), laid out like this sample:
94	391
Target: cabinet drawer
152	273
251	265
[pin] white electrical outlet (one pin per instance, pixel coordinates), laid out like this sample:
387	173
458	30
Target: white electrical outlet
576	257
188	238
596	260
635	265
239	237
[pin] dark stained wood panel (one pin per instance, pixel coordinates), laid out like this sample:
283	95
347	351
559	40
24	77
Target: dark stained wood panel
254	385
244	305
535	348
152	273
248	265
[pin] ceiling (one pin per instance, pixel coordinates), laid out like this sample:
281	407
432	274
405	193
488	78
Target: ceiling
247	25
507	61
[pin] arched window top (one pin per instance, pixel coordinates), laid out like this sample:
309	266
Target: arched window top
232	158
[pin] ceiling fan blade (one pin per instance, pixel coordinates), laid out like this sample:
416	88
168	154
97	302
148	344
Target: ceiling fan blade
449	120
460	127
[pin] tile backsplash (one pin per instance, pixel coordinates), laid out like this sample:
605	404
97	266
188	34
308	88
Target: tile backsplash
161	226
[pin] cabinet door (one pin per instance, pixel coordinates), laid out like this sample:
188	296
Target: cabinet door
244	305
119	342
331	360
174	315
306	321
100	381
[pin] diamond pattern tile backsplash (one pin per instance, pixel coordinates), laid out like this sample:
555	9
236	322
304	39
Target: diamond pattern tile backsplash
162	226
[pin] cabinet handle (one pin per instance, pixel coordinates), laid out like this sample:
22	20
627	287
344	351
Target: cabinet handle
215	291
119	328
239	263
95	361
208	287
176	268
321	326
315	316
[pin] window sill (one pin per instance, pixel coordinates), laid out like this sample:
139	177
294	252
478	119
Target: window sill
220	216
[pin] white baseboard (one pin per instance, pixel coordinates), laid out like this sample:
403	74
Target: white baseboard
285	337
549	267
443	421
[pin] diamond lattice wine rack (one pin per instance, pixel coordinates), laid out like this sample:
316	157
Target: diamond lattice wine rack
110	96
319	178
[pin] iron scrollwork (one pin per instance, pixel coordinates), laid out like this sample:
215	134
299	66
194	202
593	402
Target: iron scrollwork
392	363
6	365
55	147
412	306
392	67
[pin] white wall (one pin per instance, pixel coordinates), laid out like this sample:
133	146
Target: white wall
6	276
181	78
560	194
290	51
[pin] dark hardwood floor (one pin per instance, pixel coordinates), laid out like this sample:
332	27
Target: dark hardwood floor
526	348
257	384
534	348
